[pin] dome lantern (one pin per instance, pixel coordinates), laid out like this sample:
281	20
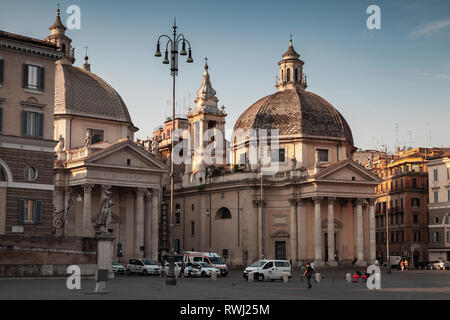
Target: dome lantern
291	70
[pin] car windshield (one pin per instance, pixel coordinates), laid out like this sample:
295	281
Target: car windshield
216	260
148	262
258	263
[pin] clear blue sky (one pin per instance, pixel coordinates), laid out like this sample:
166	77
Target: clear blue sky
375	78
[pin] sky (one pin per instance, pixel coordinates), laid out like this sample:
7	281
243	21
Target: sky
391	84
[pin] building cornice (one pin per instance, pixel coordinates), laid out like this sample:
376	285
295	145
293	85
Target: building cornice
17	46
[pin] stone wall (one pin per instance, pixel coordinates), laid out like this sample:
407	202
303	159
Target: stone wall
25	255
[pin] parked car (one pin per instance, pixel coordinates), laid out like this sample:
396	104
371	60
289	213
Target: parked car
268	269
142	266
177	268
205	269
118	268
438	265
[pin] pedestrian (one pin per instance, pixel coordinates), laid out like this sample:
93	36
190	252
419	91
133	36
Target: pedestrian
402	265
406	264
309	271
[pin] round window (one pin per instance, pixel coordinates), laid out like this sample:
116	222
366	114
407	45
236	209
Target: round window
31	173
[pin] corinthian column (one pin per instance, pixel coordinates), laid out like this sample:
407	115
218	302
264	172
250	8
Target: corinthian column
359	233
148	224
317	232
331	244
372	254
301	229
155	223
139	222
87	211
293	230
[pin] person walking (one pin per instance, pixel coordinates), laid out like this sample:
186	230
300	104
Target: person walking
402	265
406	264
308	274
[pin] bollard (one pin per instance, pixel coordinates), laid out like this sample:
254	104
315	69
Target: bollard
285	277
318	278
348	277
213	276
250	276
101	276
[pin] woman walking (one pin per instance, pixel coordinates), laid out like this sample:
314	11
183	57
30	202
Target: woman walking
308	273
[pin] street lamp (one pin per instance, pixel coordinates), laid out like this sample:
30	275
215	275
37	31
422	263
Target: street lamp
173	42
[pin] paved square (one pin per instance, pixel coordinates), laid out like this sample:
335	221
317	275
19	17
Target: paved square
413	284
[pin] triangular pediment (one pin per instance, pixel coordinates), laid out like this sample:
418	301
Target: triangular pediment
127	155
347	170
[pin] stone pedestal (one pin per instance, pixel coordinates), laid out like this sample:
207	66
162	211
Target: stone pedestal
105	252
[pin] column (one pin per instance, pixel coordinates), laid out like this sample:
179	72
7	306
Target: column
139	222
317	232
359	233
155	223
372	249
260	229
87	211
301	228
331	244
148	225
293	230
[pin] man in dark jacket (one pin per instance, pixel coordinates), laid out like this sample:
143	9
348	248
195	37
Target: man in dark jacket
308	274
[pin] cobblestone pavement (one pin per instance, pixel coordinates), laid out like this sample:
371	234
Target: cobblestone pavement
412	284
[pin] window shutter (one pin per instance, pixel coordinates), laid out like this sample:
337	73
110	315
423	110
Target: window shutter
21	210
25	75
41	125
1	71
41	78
24	123
37	217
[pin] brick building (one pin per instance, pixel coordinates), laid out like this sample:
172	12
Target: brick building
401	205
27	73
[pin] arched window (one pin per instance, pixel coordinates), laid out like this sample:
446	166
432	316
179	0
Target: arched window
296	75
223	213
288	75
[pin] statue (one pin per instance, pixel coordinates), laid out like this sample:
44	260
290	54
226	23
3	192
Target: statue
293	163
88	139
317	161
61	143
371	162
247	164
104	218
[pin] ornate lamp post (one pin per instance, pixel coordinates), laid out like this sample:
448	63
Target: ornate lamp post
173	42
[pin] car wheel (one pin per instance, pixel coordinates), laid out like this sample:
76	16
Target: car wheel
260	277
144	273
224	275
128	272
203	274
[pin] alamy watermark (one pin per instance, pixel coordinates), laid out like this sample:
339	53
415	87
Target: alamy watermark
74	280
374	20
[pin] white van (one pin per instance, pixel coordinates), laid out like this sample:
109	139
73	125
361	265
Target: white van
268	269
209	257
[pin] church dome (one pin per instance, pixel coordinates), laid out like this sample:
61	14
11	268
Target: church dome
82	93
293	110
296	112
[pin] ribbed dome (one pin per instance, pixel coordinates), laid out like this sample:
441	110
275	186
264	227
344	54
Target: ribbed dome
80	92
296	112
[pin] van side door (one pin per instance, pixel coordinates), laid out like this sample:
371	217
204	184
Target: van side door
267	270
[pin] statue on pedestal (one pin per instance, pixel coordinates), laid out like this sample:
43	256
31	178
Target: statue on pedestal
104	218
293	163
317	160
61	143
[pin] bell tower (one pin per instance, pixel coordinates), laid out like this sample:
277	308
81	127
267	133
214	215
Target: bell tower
291	71
59	38
207	129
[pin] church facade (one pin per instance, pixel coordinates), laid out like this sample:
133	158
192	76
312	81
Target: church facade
318	205
96	155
